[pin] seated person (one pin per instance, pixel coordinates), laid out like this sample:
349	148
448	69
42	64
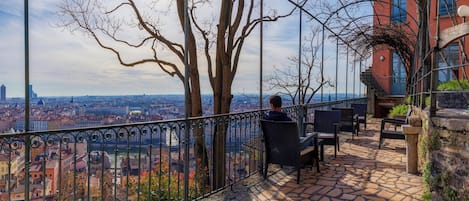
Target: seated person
276	114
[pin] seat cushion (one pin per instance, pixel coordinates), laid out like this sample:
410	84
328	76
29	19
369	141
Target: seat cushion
325	135
390	134
307	150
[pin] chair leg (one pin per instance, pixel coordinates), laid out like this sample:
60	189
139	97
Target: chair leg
298	170
338	144
335	151
265	170
380	142
322	152
336	147
317	165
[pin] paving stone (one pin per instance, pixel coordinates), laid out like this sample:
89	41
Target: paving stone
325	199
312	189
335	192
385	194
348	197
413	190
359	198
315	197
325	190
326	183
298	190
398	197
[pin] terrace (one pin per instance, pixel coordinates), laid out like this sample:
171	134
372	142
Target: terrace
186	159
361	171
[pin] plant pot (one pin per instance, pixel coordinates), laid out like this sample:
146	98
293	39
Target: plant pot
457	100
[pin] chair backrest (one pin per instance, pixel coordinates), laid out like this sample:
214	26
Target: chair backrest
346	114
359	108
281	142
346	119
325	120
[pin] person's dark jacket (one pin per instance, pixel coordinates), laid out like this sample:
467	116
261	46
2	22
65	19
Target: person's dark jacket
277	116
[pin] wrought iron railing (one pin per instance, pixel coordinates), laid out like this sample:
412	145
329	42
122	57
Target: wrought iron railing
142	161
428	90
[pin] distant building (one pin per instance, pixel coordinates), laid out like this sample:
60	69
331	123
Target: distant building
32	94
35	125
3	93
41	103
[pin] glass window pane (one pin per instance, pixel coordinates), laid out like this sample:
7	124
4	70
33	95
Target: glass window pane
447	7
399	11
449	57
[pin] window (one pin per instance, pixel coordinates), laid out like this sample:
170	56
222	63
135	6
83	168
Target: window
399	11
448	57
447	7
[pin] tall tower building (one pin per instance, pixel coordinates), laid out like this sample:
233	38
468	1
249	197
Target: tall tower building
31	91
3	93
32	94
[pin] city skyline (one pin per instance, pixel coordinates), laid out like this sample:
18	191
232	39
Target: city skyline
72	64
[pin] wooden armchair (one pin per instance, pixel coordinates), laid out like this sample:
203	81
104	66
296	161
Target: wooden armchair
393	133
359	114
284	146
326	126
347	122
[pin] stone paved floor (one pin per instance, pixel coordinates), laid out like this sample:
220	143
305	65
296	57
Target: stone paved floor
360	172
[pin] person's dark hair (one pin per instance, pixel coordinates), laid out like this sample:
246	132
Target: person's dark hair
276	101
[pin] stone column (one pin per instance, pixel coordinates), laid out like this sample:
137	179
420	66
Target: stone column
411	138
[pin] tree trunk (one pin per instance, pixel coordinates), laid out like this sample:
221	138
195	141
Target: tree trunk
195	104
222	103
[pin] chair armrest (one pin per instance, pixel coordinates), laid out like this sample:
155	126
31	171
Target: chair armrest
394	121
337	128
307	138
355	117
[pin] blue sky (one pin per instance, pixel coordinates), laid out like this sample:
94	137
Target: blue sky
71	64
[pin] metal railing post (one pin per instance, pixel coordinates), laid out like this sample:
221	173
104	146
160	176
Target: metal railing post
322	62
186	102
27	156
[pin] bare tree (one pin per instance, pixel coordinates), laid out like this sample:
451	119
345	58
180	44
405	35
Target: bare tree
221	40
312	78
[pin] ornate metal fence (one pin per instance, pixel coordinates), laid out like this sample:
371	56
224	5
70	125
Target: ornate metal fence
142	161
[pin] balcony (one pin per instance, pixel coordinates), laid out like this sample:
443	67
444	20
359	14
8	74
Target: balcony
146	161
165	160
360	172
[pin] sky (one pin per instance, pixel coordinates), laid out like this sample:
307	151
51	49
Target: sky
65	63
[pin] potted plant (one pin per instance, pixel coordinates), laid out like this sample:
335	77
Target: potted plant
455	99
398	111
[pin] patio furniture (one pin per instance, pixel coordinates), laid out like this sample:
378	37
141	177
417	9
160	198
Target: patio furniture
347	123
393	134
359	114
326	125
285	147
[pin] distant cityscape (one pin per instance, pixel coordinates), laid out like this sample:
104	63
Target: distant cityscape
108	164
50	113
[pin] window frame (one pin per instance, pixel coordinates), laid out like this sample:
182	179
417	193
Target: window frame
443	11
449	51
399	6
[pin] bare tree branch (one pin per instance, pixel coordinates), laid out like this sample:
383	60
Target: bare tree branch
287	80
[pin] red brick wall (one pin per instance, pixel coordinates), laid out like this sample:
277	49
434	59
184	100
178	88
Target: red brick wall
382	69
